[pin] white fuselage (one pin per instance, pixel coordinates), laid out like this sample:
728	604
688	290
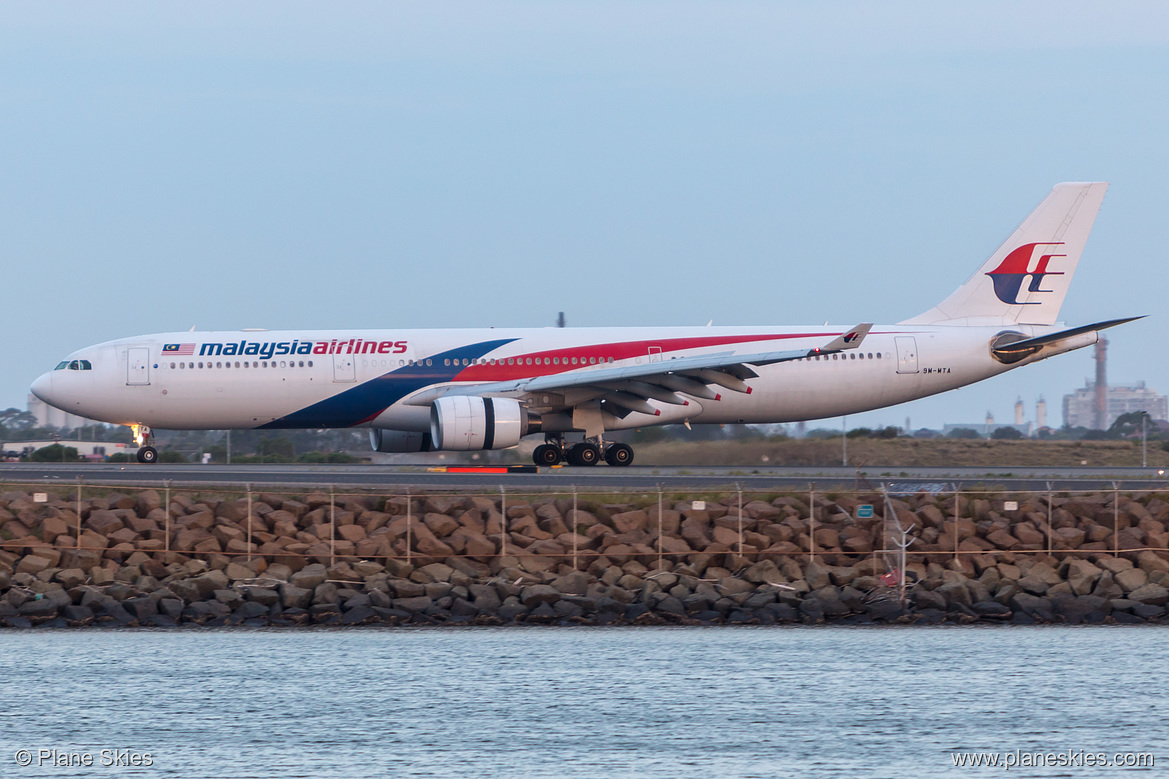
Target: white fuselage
313	379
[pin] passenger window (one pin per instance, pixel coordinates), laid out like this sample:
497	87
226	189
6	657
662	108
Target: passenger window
428	363
310	363
217	365
172	365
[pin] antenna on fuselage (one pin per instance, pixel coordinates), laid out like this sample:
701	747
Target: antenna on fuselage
560	321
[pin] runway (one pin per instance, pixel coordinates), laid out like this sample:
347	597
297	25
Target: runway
596	479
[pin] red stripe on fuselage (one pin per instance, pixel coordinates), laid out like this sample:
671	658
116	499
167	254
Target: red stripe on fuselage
625	350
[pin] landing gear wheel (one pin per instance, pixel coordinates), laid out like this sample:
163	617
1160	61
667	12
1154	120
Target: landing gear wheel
148	454
584	454
619	455
546	454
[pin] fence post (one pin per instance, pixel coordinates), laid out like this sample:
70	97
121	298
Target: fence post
332	528
573	529
502	521
409	522
739	490
249	522
887	507
957	516
166	543
811	522
1049	519
77	544
660	547
1116	519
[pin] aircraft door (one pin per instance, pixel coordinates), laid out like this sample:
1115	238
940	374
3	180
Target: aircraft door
655	354
906	354
344	368
137	365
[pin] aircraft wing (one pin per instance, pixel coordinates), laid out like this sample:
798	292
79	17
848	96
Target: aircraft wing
629	387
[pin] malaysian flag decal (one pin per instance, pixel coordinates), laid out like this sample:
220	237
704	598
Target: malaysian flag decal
181	350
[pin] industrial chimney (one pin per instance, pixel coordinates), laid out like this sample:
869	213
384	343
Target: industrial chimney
1019	411
1041	413
1101	415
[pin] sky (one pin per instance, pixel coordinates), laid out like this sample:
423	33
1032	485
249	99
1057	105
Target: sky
466	164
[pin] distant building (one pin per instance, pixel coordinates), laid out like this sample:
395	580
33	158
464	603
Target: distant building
1079	408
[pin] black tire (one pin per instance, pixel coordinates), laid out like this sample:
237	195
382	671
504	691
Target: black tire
584	454
546	454
619	455
148	455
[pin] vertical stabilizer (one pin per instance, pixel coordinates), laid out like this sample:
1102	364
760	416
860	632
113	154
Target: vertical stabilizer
1026	279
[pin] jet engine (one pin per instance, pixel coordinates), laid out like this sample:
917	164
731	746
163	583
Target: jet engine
399	441
464	423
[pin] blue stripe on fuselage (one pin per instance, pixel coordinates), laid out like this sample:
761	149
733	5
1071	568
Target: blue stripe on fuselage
365	401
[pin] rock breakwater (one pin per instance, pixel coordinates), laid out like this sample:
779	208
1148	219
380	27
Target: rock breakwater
262	559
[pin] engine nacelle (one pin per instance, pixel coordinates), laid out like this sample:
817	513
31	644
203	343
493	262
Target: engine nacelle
399	441
464	422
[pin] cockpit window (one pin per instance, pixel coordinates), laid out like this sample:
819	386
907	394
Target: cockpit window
62	365
74	365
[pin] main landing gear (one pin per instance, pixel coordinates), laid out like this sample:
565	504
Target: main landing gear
142	436
587	453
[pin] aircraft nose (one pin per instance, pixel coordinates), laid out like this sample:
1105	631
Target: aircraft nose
43	387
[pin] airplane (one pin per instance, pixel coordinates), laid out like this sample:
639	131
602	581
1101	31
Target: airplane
484	389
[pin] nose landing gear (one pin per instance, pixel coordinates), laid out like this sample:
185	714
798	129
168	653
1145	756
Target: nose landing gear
587	453
142	436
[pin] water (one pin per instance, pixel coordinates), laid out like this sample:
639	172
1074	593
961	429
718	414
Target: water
581	702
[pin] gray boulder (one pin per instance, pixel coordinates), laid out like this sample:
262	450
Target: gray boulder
533	595
251	610
310	577
293	597
1151	594
413	605
44	608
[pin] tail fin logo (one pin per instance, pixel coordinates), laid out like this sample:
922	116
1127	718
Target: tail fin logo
1009	276
851	337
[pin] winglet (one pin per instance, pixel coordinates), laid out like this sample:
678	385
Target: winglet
850	340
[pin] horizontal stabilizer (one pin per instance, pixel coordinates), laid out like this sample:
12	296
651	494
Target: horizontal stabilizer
1029	345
